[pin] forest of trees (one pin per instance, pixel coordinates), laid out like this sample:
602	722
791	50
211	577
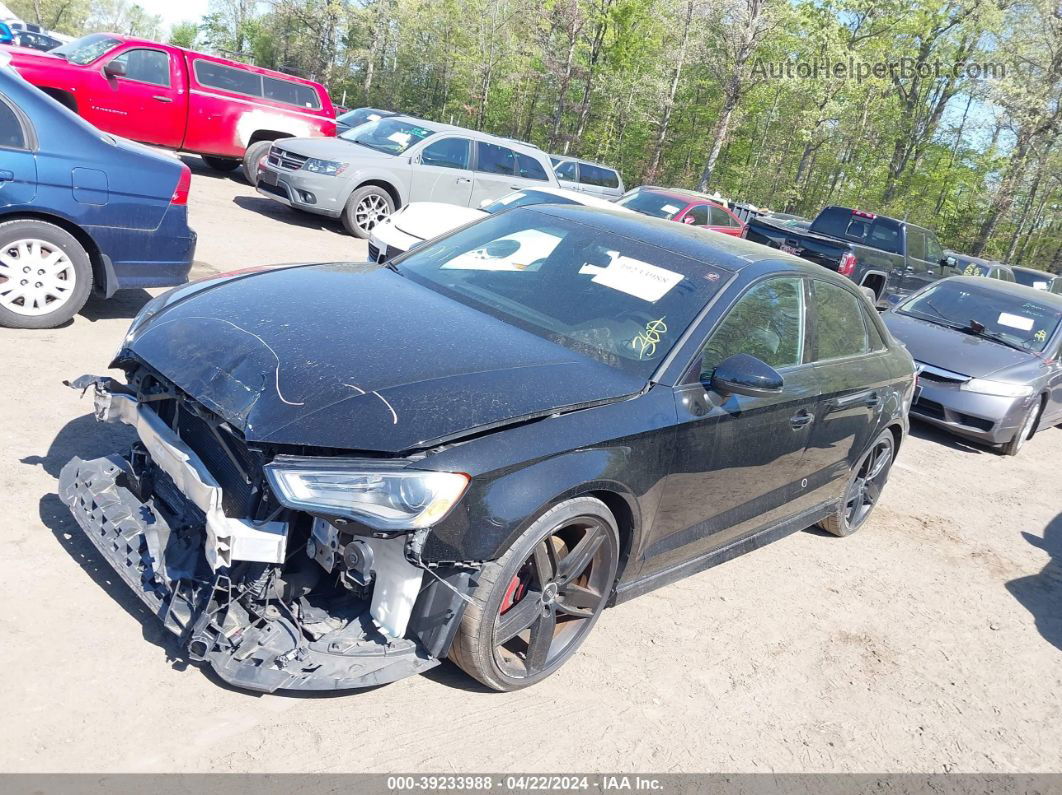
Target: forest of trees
949	115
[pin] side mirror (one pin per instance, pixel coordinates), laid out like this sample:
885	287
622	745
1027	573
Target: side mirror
742	374
949	262
115	69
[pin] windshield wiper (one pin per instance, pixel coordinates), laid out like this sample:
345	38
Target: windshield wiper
978	330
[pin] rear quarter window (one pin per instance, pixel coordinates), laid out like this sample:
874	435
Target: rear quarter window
840	326
285	91
12	135
882	233
529	168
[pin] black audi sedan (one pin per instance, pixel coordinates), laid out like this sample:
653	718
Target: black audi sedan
343	474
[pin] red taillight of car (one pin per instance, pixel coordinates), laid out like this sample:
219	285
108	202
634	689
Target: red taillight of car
863	214
184	184
847	265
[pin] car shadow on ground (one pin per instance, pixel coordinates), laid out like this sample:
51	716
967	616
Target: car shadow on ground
199	167
1041	594
123	304
87	438
931	433
283	213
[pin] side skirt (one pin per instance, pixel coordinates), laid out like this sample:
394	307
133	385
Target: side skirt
629	590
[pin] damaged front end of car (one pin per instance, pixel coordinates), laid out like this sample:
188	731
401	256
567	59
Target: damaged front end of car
280	568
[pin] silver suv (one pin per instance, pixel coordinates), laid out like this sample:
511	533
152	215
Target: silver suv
369	171
585	177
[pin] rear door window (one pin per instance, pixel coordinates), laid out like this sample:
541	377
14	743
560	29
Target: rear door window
721	217
12	136
146	66
238	81
494	159
529	168
290	93
567	171
840	328
698	216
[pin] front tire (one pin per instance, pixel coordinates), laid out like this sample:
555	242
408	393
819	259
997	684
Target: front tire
537	603
255	154
45	275
1025	430
221	163
863	487
366	207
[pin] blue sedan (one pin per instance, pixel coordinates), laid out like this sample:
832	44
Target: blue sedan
81	211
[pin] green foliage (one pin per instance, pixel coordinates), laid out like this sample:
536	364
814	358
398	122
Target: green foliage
629	83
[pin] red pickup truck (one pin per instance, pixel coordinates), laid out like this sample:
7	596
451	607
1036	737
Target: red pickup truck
227	112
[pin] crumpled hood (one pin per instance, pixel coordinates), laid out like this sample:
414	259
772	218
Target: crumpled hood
340	356
431	219
953	350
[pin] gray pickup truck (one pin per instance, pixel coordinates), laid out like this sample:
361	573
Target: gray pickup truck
889	258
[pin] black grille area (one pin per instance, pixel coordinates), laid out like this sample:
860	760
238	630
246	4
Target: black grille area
374	253
929	408
276	190
239	498
289	161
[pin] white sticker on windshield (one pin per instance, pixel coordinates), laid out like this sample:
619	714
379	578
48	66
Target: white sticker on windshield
1015	321
670	208
399	138
1040	285
638	278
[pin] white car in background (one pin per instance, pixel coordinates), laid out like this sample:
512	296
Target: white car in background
420	221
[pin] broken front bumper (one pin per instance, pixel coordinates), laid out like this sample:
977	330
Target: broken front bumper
182	565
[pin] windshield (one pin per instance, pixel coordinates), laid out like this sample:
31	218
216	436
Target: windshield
1009	319
611	298
657	205
390	136
87	49
522	198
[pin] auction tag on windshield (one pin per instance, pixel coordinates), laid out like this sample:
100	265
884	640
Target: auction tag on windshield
1015	321
400	138
638	278
670	208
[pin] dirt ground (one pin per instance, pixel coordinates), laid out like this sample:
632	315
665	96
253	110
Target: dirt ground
930	641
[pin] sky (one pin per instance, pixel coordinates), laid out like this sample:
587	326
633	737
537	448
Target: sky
174	11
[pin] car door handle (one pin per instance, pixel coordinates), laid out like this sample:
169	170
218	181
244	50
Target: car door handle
7	176
160	98
463	180
801	419
872	399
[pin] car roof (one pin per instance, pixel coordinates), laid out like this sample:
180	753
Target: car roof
972	258
475	135
1034	271
702	245
1012	289
690	196
566	158
579	197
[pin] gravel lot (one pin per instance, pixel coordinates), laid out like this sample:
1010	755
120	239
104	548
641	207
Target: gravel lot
930	641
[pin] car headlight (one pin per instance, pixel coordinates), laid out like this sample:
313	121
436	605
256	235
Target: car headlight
384	497
331	168
983	386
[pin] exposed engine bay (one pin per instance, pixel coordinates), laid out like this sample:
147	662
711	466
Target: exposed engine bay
273	597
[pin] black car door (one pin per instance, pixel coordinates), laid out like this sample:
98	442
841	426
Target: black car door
851	360
738	459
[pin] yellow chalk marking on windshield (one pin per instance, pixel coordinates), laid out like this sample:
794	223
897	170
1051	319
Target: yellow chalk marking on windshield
645	343
1040	335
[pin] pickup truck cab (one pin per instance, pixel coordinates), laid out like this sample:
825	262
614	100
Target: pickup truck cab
889	258
153	93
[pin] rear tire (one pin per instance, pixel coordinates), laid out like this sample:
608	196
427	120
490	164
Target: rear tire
366	207
254	154
45	275
559	574
863	487
221	163
1025	430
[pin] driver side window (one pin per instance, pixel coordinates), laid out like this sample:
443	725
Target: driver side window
767	322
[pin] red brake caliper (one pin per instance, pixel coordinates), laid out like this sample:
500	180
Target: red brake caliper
513	593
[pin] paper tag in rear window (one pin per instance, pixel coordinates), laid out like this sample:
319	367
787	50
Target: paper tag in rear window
637	278
1015	321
